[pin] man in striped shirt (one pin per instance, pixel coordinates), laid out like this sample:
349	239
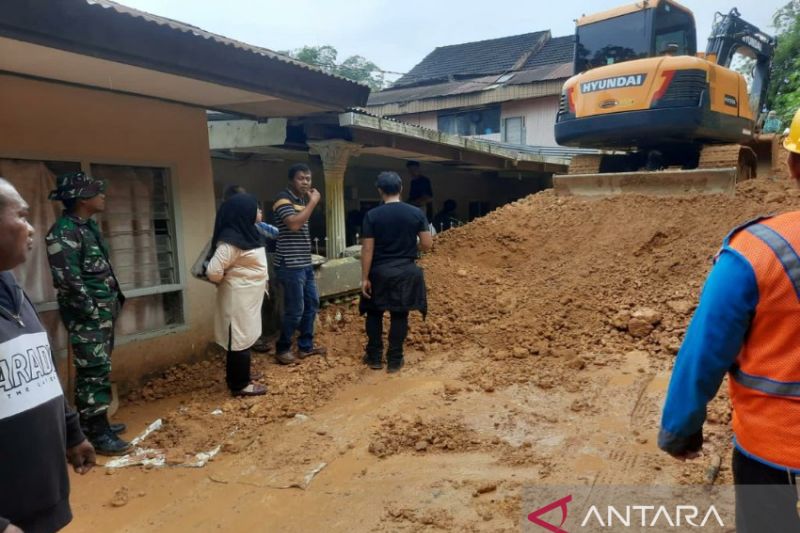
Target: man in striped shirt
292	209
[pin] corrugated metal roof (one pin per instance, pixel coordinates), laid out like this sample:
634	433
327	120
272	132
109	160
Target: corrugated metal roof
502	93
112	35
512	153
407	94
199	32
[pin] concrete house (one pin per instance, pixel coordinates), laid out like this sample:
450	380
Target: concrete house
505	90
122	94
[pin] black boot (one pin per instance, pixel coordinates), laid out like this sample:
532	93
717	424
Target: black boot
115	428
104	440
374	363
394	360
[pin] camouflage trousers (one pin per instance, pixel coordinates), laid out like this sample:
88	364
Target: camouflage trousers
92	342
93	376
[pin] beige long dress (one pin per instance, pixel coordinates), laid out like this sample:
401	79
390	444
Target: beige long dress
241	278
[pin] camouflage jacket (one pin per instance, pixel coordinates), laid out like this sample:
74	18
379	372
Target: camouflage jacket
82	274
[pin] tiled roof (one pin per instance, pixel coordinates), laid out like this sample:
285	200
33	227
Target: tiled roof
473	85
479	58
553	61
556	50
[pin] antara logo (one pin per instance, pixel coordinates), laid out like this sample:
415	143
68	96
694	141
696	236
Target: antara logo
535	517
618	82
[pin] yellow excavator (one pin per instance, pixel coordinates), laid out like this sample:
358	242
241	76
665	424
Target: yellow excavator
664	118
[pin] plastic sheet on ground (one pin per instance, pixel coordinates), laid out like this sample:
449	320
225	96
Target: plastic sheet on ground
143	456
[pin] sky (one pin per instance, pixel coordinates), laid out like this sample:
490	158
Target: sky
396	35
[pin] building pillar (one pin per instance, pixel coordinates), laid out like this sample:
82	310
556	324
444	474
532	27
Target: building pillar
334	154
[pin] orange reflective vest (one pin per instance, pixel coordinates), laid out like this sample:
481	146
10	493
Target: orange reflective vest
765	382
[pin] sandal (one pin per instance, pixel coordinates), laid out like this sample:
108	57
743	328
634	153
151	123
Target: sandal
254	389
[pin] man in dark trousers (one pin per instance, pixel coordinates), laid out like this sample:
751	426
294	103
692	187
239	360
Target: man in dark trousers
89	301
392	236
39	434
293	267
746	326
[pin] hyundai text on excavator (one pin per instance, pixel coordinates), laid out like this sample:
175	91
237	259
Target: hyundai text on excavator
666	119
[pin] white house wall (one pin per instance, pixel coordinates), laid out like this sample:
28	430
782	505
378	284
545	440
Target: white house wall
540	118
539	113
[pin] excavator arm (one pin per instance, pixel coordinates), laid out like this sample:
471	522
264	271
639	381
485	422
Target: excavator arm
731	34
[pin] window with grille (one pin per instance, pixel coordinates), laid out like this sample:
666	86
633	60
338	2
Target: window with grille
139	227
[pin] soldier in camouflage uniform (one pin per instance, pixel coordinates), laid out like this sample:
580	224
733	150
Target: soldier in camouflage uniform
89	300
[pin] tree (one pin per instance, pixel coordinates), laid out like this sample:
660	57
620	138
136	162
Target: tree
784	93
356	68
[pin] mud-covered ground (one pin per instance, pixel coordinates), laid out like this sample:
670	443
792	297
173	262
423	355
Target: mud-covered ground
553	326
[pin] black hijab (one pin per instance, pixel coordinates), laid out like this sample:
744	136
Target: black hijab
236	223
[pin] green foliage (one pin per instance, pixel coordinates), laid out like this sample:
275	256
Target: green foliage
356	68
784	93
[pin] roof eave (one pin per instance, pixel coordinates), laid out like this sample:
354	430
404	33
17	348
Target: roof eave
95	30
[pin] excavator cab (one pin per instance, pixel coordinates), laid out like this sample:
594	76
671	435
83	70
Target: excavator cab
659	111
648	29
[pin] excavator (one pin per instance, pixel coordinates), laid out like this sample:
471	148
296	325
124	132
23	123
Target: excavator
664	118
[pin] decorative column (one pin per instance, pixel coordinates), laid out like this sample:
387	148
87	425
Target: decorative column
334	154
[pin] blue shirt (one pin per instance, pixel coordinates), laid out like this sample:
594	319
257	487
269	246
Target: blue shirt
267	230
712	343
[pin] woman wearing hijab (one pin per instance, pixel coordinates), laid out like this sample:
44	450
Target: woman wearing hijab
239	268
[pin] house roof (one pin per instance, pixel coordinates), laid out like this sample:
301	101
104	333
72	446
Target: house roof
550	59
478	58
103	44
555	50
473	85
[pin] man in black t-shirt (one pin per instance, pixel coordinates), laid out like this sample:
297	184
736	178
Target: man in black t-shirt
390	278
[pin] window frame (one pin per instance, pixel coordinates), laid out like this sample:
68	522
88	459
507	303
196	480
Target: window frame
458	113
171	179
523	131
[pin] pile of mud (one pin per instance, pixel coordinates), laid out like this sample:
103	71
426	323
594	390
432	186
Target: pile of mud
539	291
580	282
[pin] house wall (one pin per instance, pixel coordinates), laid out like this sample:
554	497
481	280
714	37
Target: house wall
49	121
540	118
539	113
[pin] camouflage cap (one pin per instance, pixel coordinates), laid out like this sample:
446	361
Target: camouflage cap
76	185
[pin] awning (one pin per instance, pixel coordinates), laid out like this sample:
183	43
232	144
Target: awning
392	138
104	45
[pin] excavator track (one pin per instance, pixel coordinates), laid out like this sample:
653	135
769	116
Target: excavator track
719	169
585	164
723	156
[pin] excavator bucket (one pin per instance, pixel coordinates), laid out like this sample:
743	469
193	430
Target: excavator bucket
767	148
661	183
